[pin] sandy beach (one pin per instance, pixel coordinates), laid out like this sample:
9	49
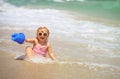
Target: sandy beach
21	69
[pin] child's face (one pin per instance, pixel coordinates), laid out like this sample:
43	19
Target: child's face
42	35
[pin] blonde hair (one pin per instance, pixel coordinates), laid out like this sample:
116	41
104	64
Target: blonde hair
43	27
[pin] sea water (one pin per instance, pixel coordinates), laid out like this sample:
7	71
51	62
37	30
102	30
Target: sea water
75	40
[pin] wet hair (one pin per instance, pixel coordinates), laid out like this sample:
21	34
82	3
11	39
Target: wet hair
43	27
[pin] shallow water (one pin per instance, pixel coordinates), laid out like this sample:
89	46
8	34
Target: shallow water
81	45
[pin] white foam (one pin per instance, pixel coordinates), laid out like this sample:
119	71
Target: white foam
58	0
4	6
40	59
32	17
67	0
90	64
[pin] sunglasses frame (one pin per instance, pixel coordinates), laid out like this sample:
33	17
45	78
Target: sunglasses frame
44	34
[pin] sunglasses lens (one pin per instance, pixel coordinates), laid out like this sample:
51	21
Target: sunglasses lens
45	34
40	34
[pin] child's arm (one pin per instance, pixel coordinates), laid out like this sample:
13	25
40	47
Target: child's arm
52	56
30	40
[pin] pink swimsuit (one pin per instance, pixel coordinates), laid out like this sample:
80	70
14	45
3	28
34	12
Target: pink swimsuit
40	50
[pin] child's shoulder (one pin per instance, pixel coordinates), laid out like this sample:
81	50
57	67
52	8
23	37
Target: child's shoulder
48	44
35	39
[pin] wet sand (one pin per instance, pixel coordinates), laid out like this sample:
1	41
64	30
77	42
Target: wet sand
21	69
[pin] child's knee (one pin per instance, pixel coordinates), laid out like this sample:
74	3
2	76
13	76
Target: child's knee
29	51
28	48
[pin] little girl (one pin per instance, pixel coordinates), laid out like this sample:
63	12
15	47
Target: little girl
40	44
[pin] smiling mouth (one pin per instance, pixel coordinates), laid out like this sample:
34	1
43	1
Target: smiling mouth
42	38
